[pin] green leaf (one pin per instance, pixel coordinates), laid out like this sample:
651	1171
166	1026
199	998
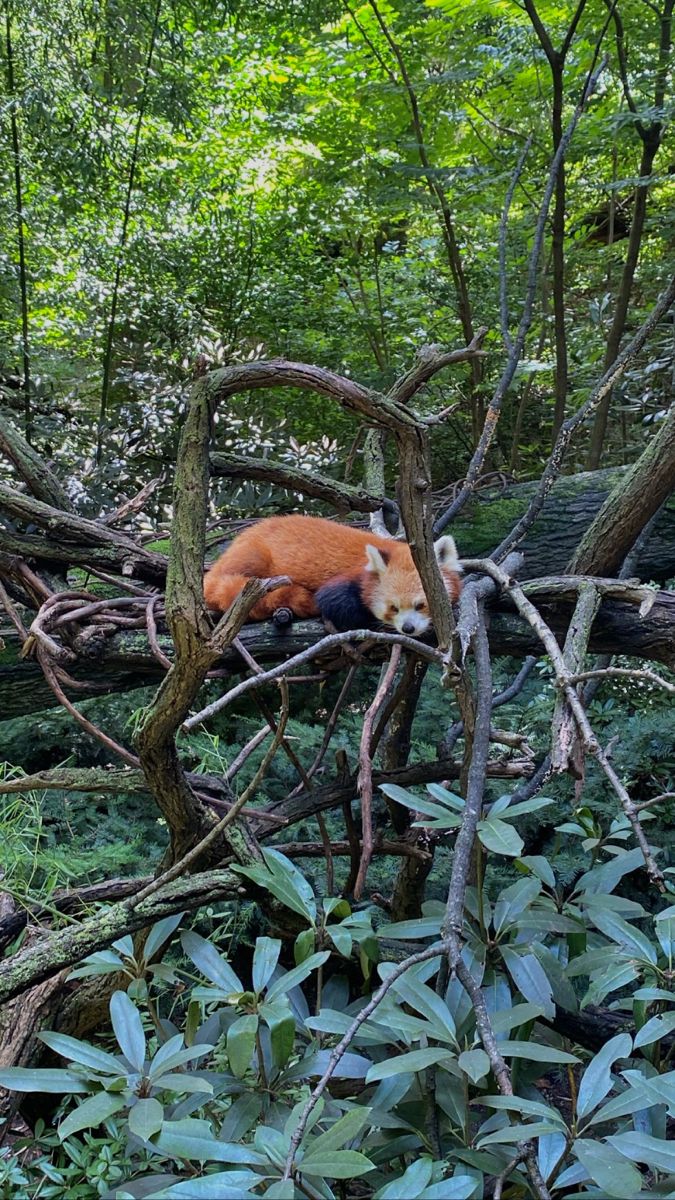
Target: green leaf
223	1185
282	1033
292	978
82	1052
29	1079
211	963
597	1078
341	939
91	1113
304	945
424	927
513	901
283	880
536	1052
265	959
540	867
530	978
500	837
193	1139
532	1108
283	1189
406	1064
642	1147
410	1185
613	1175
518	1133
474	1063
128	1029
175	1081
631	939
336	1164
145	1118
160	934
445	797
343	1131
173	1054
654	1029
241	1044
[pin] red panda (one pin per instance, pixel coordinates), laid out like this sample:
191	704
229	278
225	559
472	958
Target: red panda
348	576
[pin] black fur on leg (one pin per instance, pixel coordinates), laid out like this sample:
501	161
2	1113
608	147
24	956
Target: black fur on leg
340	602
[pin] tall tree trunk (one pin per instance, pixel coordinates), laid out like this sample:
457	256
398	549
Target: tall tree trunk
20	224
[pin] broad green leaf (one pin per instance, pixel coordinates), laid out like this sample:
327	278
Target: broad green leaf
631	939
444	796
341	939
282	885
222	1185
211	963
511	1018
597	1078
424	927
426	1001
336	1164
536	1052
605	877
540	867
104	962
298	975
533	1108
145	1118
265	959
283	1189
617	976
344	1130
128	1029
655	1029
37	1079
240	1117
416	1060
530	979
518	1133
642	1147
82	1052
606	1167
160	934
91	1113
474	1063
459	1187
173	1054
282	1033
176	1081
513	901
193	1139
410	1185
241	1037
500	837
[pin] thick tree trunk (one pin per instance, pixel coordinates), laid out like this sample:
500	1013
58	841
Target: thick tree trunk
630	506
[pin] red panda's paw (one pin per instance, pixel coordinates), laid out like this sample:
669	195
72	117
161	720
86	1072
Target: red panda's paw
282	617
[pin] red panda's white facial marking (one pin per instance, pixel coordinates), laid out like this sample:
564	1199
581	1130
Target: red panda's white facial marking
395	594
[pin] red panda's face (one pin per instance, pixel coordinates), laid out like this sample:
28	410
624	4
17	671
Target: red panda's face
393	590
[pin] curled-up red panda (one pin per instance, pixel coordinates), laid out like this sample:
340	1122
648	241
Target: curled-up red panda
350	577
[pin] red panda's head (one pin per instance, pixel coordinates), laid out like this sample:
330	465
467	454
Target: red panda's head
393	591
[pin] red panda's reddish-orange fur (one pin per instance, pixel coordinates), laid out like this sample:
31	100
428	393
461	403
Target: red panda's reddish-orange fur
314	552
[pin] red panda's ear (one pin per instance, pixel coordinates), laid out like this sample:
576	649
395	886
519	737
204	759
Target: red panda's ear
446	554
376	560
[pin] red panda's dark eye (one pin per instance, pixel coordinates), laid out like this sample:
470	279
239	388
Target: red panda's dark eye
394	608
419	606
